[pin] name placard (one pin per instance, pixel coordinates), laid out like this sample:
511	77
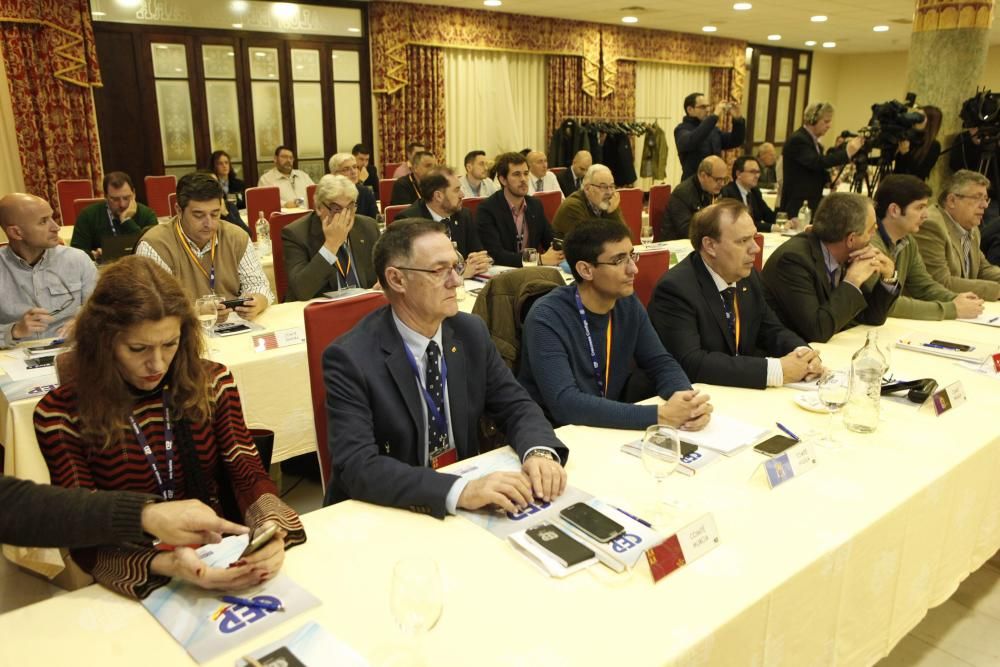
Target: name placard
948	398
996	362
282	338
790	463
686	546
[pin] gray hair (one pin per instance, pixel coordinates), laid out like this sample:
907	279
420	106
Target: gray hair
959	181
337	160
332	186
815	112
592	171
839	215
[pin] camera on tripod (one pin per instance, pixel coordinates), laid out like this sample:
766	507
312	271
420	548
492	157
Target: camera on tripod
983	113
891	123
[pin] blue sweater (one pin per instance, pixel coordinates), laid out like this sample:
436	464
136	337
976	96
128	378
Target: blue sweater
557	370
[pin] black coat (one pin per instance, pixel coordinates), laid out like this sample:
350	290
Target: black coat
461	227
404	191
567	181
498	233
697	139
805	171
687	199
762	214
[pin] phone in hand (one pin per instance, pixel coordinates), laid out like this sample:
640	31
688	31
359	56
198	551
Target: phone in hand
259	537
775	445
238	301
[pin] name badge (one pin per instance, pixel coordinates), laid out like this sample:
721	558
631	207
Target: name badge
945	399
282	338
791	463
686	546
444	458
996	362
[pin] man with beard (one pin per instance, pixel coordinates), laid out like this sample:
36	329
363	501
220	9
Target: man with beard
597	199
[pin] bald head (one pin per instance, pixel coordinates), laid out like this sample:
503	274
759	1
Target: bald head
581	163
538	164
20	207
712	174
27	222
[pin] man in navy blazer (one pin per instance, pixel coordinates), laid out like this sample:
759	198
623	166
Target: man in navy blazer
396	413
711	314
743	187
510	220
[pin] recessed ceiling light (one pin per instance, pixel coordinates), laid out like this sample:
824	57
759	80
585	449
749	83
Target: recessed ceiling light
829	45
742	6
881	28
708	28
239	5
773	38
818	19
630	19
811	42
354	30
237	25
492	3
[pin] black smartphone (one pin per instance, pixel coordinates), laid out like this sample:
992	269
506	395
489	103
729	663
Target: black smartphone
591	522
894	387
238	301
923	392
775	445
557	244
230	328
945	345
40	362
566	550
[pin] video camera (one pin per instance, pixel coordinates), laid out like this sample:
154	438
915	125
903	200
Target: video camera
891	122
983	113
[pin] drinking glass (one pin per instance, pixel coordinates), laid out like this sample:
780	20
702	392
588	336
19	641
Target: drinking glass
207	309
661	452
529	257
834	387
416	599
646	235
781	222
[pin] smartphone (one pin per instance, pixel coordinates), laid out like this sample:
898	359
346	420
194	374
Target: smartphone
775	445
40	362
591	522
945	345
259	537
238	301
230	328
566	550
923	392
557	244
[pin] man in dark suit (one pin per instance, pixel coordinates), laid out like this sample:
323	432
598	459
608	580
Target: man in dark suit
831	277
406	388
698	135
711	313
571	179
690	196
331	248
510	221
367	172
406	189
746	172
804	164
442	203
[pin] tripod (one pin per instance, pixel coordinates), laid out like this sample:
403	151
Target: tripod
863	182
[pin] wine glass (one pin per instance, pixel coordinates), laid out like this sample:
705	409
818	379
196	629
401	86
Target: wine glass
646	234
661	452
207	308
415	596
833	389
529	257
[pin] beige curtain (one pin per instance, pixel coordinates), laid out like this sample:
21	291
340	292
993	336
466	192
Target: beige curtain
11	176
494	101
659	93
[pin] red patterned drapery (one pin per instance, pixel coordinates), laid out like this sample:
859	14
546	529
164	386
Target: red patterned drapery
48	48
565	96
720	88
414	112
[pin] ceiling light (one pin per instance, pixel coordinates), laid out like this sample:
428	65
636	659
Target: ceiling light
829	45
354	30
162	47
773	38
811	42
630	19
742	6
818	19
881	28
708	28
492	3
239	6
284	10
237	25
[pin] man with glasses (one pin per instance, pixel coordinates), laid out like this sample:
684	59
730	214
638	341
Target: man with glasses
692	195
43	283
329	249
949	240
698	135
746	174
711	313
119	214
597	199
345	164
292	183
408	384
406	189
582	342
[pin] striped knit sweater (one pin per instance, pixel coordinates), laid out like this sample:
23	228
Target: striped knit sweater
224	442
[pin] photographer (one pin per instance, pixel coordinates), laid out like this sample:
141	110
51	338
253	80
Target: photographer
919	152
697	136
975	148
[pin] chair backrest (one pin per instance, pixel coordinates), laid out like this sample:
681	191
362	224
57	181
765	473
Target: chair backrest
172	204
68	190
550	202
80	204
390	169
390	212
311	196
158	189
325	322
758	259
557	170
385	191
470	204
659	196
652	265
259	199
277	222
631	206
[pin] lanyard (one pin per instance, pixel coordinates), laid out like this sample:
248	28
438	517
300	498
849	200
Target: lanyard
344	273
522	241
602	385
210	274
166	490
111	221
439	418
736	314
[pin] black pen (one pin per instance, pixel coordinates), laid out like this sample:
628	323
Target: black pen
632	516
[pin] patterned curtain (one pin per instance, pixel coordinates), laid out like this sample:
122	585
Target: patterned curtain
721	88
566	96
414	112
48	48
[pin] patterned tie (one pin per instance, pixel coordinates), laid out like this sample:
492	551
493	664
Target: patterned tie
728	305
437	438
538	185
345	267
966	255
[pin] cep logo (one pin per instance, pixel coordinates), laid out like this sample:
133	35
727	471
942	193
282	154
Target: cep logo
528	511
235	617
625	543
548	535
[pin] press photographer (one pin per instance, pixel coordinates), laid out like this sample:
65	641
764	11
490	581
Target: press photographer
919	152
891	124
975	148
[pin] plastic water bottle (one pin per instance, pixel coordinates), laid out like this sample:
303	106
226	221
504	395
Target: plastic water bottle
263	236
867	367
805	215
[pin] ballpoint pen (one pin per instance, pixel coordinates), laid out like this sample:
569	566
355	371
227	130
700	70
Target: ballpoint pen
787	432
259	604
632	516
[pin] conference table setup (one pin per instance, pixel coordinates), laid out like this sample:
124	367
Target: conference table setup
831	566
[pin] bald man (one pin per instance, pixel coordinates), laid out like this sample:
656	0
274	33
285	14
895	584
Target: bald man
692	195
597	199
571	180
43	282
540	179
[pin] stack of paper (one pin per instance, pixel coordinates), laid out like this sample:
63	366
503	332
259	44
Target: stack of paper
725	434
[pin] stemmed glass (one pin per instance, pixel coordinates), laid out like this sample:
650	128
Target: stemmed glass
416	599
661	452
833	389
207	308
646	234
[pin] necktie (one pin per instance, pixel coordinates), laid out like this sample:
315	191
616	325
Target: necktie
576	182
728	305
437	434
835	276
344	266
966	255
538	185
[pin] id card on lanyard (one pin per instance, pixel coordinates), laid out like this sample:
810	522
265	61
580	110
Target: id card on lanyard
440	453
166	488
602	383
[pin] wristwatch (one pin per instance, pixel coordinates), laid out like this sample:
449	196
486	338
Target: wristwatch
892	280
544	453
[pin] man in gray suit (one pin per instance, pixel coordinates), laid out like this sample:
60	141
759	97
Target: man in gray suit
331	248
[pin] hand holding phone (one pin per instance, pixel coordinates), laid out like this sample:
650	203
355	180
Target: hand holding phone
238	301
260	536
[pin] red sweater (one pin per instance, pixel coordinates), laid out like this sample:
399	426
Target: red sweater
224	442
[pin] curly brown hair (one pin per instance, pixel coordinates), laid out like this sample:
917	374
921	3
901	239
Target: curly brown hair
131	291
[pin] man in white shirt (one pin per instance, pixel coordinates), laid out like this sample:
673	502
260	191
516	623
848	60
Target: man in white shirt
475	182
292	183
540	179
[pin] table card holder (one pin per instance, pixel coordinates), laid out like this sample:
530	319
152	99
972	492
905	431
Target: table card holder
281	338
791	463
686	546
945	399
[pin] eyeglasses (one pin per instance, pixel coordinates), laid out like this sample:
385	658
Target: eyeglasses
602	186
68	303
621	260
703	106
751	171
440	274
719	180
976	198
335	209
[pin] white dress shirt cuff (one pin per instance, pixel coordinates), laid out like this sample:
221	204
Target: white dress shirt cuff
775	376
451	500
327	255
548	449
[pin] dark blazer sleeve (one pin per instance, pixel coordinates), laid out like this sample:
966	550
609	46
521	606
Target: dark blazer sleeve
308	272
366	202
677	217
469	234
363	236
766	214
402	192
688	137
735	137
800	153
488	222
541	230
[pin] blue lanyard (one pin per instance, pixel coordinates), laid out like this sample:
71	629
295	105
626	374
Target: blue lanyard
590	343
111	221
439	418
166	490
